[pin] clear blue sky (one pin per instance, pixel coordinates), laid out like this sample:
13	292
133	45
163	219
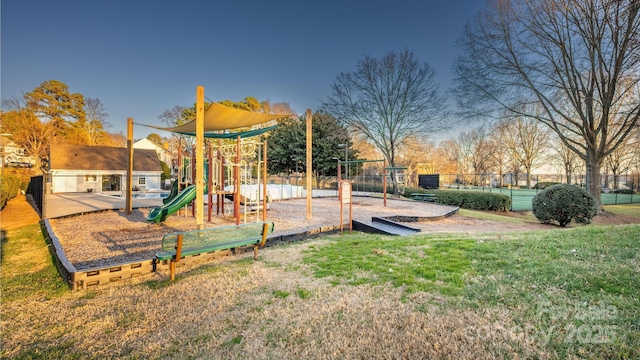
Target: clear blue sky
142	57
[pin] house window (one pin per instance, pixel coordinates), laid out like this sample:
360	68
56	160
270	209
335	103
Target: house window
142	180
90	178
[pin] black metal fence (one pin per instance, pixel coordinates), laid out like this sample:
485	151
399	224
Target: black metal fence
36	187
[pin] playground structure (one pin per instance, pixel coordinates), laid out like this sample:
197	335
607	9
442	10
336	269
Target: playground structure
228	176
224	173
215	122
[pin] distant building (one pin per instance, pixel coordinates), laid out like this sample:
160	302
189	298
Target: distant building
82	168
13	155
163	154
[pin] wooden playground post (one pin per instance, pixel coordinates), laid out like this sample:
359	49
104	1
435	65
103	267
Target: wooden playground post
179	179
220	196
264	182
236	191
193	179
200	157
309	167
172	264
265	231
209	180
129	194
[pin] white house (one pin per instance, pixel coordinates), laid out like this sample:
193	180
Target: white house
163	154
82	168
13	155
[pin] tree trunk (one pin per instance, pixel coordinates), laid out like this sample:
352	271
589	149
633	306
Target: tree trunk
593	179
568	173
394	181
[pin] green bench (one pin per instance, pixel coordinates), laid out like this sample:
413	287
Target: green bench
176	246
424	197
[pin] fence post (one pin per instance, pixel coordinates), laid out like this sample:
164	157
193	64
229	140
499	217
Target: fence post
511	191
43	210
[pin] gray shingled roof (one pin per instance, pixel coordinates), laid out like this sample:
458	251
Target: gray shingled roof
84	157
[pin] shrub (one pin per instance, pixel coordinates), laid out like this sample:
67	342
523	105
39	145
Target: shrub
544	184
9	188
166	172
623	191
563	203
472	200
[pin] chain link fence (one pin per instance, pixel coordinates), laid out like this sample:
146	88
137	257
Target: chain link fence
616	189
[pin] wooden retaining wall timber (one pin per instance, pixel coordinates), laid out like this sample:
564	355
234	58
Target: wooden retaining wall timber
87	278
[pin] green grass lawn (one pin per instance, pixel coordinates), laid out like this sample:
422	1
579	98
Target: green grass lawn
565	293
27	268
523	218
574	291
632	210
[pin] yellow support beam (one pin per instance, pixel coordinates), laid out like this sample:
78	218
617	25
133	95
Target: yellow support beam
199	157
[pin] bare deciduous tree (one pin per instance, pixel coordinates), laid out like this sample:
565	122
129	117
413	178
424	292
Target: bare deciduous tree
389	100
418	157
619	161
96	122
501	158
527	141
579	59
566	158
475	153
173	116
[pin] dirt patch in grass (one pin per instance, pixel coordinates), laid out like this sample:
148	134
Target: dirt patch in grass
18	212
609	218
467	224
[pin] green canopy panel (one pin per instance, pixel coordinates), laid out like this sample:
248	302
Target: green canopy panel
244	134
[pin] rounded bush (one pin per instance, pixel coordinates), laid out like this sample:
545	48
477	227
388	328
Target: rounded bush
563	203
9	188
544	184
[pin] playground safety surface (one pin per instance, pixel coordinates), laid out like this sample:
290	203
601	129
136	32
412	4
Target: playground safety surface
110	237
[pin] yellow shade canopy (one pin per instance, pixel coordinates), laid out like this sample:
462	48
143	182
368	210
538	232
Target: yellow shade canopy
220	117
